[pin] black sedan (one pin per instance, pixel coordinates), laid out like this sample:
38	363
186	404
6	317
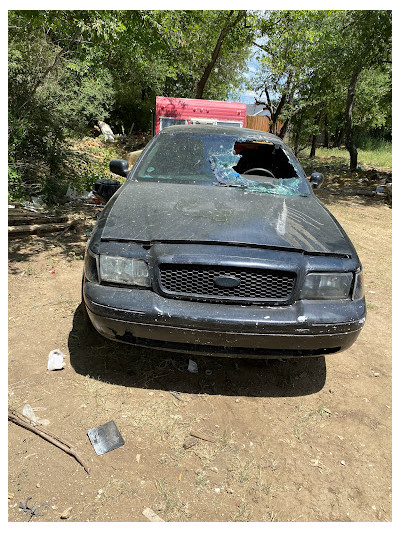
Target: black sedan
217	245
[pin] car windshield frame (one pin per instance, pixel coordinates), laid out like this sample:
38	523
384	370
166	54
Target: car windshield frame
214	153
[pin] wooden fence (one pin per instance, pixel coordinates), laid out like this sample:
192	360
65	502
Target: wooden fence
256	122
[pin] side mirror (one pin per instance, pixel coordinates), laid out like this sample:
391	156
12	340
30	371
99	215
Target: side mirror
119	167
316	179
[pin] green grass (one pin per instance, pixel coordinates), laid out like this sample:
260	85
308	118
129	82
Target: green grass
380	156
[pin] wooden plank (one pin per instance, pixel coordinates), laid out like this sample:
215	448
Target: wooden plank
257	122
37	228
24	212
18	220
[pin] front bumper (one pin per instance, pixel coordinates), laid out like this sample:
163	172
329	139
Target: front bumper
144	318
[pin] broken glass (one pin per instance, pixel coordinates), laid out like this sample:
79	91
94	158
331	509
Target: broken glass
255	164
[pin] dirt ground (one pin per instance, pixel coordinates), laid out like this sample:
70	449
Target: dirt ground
293	441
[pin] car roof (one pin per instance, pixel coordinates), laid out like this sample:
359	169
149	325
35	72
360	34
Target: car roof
242	134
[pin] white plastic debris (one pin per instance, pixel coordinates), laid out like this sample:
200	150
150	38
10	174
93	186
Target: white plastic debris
56	360
192	367
151	515
38	201
28	412
72	193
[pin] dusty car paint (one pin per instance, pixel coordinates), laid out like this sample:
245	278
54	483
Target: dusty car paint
188	213
219	219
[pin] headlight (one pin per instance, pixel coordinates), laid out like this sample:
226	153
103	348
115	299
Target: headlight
124	270
329	286
358	291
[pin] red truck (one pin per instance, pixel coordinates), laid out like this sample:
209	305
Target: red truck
177	111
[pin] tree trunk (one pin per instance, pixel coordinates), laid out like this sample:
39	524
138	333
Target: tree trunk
337	139
296	143
200	85
314	137
297	135
351	147
284	128
313	146
326	131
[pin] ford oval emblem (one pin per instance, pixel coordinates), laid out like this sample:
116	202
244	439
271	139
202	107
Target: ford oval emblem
226	282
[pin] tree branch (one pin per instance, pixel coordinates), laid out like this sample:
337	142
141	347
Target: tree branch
200	85
49	69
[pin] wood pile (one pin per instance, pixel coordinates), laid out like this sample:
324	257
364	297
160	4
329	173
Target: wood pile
23	221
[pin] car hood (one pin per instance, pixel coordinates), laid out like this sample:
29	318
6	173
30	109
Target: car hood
162	212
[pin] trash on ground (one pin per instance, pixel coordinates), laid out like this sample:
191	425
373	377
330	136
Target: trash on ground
105	438
32	511
66	514
28	412
106	131
15	417
202	436
151	515
56	360
174	394
208	372
192	367
189	443
38	201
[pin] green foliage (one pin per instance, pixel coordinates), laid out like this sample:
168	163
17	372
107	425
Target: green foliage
308	58
373	100
70	68
377	154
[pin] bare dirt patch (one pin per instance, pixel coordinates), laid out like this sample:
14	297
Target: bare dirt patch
294	441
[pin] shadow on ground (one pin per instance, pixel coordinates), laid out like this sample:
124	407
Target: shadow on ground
70	245
130	366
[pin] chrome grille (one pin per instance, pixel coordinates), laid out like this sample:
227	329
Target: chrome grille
198	282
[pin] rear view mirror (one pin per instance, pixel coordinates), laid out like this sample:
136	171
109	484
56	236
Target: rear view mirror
316	179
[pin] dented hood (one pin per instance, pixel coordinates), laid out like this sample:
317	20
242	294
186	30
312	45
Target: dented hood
153	211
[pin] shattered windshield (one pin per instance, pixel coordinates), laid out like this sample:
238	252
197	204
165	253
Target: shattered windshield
257	166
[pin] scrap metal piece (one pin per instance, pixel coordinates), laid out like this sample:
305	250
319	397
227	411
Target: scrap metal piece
105	438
